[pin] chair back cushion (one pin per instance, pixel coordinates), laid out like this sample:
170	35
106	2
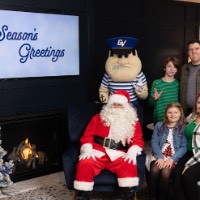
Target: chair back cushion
78	118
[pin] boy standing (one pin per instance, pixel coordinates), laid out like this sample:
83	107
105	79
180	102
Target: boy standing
165	90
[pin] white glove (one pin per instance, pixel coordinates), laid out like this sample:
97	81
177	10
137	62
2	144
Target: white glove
87	152
87	155
130	157
132	153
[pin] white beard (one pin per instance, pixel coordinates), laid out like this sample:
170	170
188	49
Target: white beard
121	122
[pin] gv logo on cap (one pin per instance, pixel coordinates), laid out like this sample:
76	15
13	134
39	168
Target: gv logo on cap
121	43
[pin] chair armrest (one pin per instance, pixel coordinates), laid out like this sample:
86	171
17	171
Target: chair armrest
141	169
70	158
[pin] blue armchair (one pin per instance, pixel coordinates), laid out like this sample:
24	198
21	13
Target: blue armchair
78	118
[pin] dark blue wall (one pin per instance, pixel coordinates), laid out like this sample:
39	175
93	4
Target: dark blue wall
162	27
19	96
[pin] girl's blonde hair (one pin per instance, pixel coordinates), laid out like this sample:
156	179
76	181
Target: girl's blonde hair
181	121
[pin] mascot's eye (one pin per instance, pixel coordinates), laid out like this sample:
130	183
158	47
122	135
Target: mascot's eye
119	56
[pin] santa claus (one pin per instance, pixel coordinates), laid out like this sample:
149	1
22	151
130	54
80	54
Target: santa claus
112	140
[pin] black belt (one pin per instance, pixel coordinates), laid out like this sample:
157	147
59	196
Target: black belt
109	143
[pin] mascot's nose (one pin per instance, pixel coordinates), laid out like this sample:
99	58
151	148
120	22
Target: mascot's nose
122	60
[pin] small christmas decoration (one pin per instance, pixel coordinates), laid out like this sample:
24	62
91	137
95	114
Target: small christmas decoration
5	168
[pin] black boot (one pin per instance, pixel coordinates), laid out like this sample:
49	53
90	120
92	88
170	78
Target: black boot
129	193
82	195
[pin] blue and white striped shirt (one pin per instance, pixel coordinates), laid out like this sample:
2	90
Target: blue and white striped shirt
128	86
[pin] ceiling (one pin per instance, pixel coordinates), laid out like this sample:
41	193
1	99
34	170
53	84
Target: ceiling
193	1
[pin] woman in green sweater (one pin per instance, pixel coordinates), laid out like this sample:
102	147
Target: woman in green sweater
165	90
187	173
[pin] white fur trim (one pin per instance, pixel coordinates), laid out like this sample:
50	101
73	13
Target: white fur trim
84	186
128	182
114	154
98	153
135	149
86	147
116	98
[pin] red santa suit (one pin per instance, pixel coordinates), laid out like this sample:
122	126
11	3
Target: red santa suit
100	157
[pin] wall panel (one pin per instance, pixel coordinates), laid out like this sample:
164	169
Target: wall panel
162	27
28	95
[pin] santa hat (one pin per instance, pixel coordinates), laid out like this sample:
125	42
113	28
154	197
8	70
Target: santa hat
120	96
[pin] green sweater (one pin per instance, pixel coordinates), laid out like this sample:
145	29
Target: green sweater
170	93
189	131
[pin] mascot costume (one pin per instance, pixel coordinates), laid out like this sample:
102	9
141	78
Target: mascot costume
123	71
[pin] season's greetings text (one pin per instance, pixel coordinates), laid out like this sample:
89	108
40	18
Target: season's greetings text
26	51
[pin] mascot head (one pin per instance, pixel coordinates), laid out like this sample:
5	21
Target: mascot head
123	63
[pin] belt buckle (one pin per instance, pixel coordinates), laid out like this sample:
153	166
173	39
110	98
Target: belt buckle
104	142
